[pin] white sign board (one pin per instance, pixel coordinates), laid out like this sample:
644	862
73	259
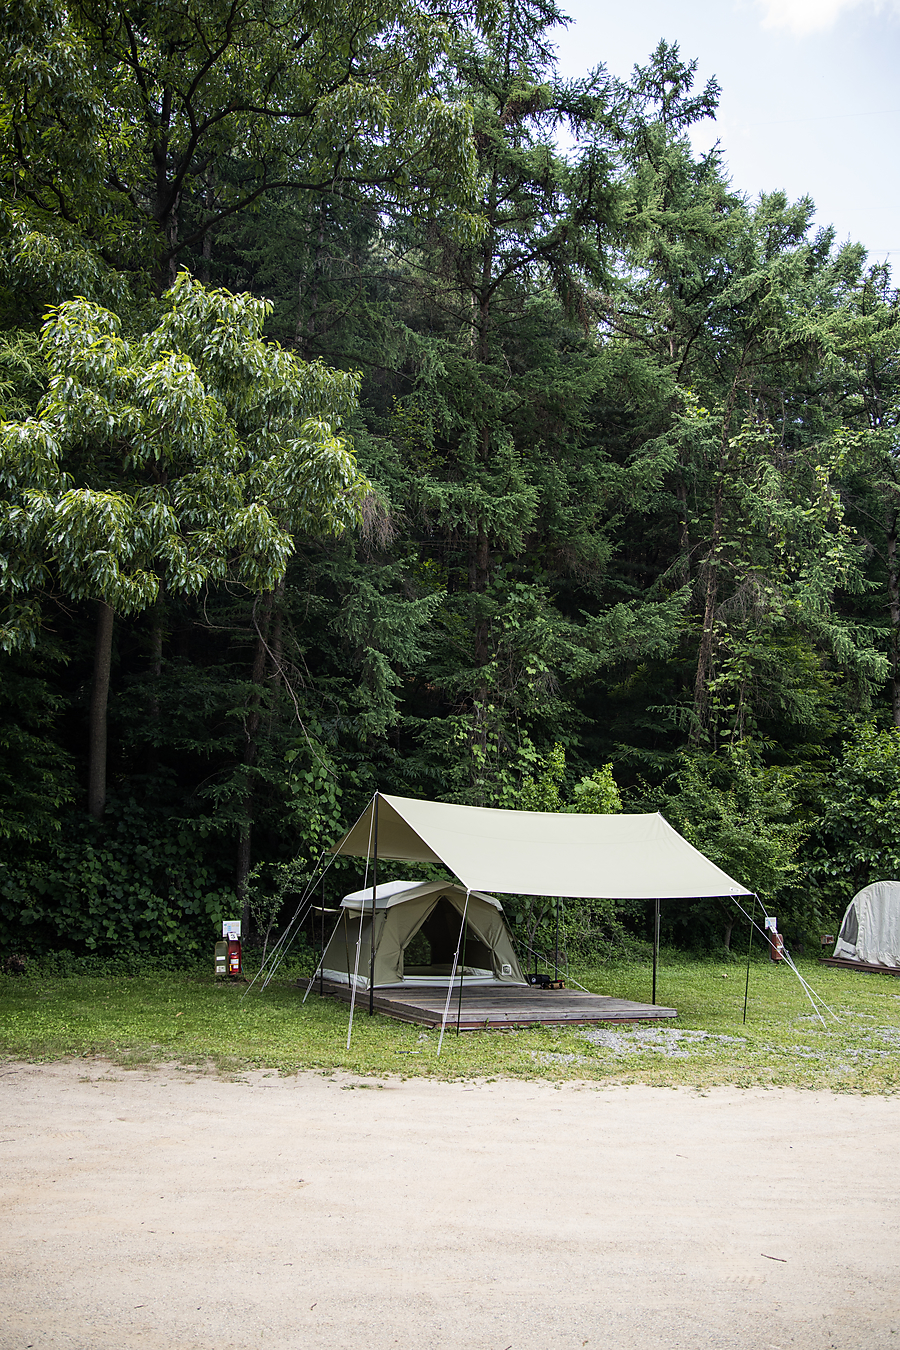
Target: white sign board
231	928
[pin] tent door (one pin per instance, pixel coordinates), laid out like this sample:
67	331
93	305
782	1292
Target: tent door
431	949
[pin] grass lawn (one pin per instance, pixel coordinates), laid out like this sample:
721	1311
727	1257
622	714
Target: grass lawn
190	1018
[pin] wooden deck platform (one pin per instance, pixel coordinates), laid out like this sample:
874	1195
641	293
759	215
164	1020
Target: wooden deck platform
841	963
498	1006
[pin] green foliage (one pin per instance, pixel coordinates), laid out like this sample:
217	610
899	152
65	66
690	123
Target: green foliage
120	127
133	884
856	839
186	455
36	774
744	818
597	794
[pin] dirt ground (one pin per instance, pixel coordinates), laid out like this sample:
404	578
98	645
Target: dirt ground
169	1209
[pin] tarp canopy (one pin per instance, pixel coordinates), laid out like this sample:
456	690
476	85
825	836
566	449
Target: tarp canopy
417	933
619	857
870	932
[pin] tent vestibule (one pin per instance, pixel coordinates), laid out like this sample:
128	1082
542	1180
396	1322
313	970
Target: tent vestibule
417	933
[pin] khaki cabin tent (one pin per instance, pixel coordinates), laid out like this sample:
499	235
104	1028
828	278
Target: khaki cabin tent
870	932
416	936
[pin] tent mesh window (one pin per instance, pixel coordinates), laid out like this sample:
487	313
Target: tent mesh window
850	930
431	950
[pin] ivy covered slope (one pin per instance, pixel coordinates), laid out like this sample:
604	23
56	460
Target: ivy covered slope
380	409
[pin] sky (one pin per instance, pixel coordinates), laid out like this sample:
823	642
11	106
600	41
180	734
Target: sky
810	98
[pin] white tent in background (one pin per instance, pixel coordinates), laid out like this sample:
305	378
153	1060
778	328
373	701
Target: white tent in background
870	932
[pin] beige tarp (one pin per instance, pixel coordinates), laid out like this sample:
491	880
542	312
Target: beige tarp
870	931
401	910
620	857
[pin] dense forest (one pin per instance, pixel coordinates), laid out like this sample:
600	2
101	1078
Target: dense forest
382	410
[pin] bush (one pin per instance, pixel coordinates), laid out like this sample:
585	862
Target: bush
135	884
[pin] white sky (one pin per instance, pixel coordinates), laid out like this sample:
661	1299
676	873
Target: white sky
810	94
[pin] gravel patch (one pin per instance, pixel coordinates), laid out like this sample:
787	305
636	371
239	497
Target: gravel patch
666	1041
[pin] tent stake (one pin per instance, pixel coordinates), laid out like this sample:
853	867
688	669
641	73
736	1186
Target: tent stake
655	948
747	985
372	934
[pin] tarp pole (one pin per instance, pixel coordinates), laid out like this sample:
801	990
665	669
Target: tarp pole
655	947
453	973
347	948
747	985
556	949
362	915
322	946
462	971
372	934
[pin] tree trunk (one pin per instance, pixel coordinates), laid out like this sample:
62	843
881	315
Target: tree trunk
99	702
157	615
704	656
251	727
277	643
893	581
712	568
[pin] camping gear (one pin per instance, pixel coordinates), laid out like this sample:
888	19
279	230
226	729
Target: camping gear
776	941
417	935
870	932
228	951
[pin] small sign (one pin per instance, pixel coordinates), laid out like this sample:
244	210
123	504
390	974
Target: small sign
772	923
231	928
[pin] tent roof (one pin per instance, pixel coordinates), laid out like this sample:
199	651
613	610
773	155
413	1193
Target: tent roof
620	857
391	893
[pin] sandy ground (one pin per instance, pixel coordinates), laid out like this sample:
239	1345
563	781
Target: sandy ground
169	1210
